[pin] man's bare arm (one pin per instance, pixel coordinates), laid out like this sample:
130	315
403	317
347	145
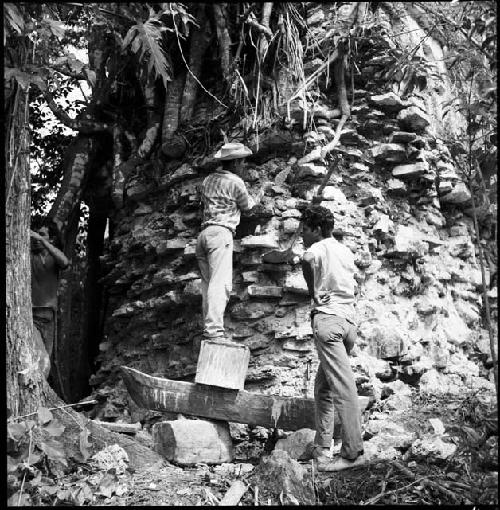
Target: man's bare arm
308	272
61	259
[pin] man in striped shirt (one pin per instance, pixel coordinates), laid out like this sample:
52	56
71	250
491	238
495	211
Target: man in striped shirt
224	196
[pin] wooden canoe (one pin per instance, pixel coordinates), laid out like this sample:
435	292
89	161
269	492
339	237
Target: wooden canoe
159	394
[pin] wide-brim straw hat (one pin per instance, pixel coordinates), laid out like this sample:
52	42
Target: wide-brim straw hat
234	150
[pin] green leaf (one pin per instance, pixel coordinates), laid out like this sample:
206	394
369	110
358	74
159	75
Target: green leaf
44	415
16	431
54	451
12	464
55	428
55	27
14	17
108	485
145	40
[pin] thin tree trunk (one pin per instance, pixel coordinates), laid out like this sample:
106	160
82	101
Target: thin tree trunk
486	301
220	15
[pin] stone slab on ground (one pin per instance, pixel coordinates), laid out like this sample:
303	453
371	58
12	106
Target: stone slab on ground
188	442
298	444
279	474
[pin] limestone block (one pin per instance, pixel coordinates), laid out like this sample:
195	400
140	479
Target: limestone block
298	444
250	276
413	119
389	152
192	289
352	137
431	447
335	194
410	171
292	344
296	284
264	241
190	250
407	241
291	213
311	170
384	225
279	474
264	291
396	186
243	311
171	245
188	442
402	137
290	225
389	101
458	195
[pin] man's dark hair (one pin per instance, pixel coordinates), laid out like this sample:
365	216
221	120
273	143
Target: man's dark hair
38	222
318	216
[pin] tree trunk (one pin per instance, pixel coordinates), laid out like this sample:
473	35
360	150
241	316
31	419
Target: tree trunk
24	381
199	44
220	15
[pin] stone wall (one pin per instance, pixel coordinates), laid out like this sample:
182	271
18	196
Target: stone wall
399	202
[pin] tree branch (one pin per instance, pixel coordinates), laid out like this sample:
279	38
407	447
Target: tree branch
83	126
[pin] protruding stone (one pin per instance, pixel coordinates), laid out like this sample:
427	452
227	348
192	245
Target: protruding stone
389	101
413	119
396	186
410	171
389	152
310	170
296	284
402	137
265	291
264	241
290	225
460	194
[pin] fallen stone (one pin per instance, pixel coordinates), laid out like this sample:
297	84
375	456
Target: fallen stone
188	442
250	276
298	345
432	448
413	119
111	457
243	311
298	444
278	474
234	493
171	245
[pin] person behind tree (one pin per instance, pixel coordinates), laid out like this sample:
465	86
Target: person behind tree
46	262
328	269
224	196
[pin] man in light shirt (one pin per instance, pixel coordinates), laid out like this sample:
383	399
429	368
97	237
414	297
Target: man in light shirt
328	268
224	196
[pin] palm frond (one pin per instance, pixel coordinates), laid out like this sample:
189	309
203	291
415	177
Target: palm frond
14	18
145	40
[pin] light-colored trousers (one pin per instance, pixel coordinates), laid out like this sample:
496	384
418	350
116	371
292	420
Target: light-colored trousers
214	251
335	387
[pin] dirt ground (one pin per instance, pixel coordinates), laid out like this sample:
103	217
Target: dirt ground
469	476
